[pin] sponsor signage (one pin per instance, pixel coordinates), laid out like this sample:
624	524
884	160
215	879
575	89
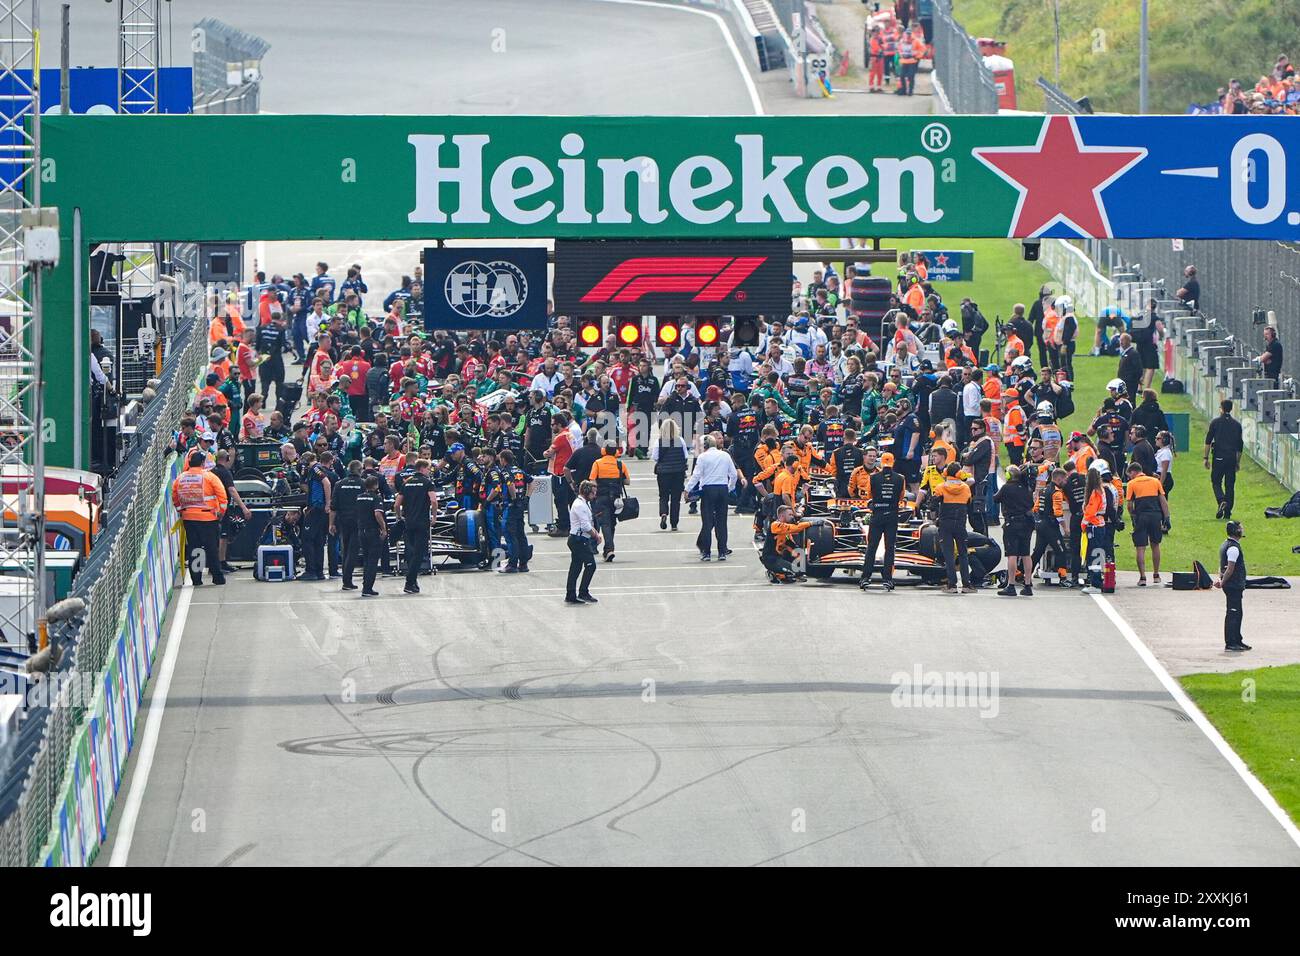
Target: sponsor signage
99	753
483	177
485	287
949	265
672	278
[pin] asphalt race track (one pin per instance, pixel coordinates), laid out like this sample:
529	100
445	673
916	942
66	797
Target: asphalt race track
696	715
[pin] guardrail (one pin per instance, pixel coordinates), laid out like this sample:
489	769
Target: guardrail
755	24
245	98
73	747
962	83
1056	100
221	52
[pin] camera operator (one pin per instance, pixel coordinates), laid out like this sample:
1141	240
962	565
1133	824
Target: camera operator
973	324
103	400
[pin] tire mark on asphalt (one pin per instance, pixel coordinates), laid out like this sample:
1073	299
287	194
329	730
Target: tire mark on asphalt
613	824
236	854
829	836
381	853
541	712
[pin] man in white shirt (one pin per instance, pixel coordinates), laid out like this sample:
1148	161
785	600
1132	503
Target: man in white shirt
713	478
776	359
546	379
315	319
583	541
972	391
671	380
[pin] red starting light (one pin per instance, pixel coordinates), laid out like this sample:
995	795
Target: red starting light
706	331
589	332
629	331
668	331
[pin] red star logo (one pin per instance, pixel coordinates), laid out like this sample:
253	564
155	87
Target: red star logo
1059	179
941	260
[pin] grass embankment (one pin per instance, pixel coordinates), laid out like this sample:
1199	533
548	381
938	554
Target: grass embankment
1194	47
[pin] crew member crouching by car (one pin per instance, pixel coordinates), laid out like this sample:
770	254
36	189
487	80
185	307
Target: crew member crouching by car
779	551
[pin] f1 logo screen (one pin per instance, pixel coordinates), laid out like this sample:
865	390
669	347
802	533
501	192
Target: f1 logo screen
691	278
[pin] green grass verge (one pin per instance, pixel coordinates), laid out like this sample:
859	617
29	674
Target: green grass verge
1003	278
1194	47
1265	732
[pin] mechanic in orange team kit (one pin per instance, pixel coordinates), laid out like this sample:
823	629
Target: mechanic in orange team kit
779	551
954	508
1149	509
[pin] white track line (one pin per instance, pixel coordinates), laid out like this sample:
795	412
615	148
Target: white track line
1176	691
754	99
152	728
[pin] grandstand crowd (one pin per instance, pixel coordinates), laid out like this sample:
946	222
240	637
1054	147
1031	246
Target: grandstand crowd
1277	92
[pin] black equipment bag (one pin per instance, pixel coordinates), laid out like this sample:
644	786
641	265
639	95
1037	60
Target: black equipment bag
625	509
289	396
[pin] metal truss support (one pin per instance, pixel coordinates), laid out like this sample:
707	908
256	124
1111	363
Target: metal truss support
20	431
138	53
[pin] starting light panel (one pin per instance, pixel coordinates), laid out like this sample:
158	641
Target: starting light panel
629	331
745	332
668	331
590	332
706	332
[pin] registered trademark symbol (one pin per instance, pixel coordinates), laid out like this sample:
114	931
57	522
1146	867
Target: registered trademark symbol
935	137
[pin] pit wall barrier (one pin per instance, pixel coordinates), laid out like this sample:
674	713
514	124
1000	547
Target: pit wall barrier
100	750
1277	453
765	46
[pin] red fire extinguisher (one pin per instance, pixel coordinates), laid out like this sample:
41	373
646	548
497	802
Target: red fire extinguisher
1108	578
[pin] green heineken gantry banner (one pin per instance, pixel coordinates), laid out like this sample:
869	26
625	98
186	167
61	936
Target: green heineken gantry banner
210	178
301	177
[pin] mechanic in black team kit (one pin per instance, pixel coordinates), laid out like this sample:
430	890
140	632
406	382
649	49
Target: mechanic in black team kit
416	504
844	460
343	520
887	491
372	533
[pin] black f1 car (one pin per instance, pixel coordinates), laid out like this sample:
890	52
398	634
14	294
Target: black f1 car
455	534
